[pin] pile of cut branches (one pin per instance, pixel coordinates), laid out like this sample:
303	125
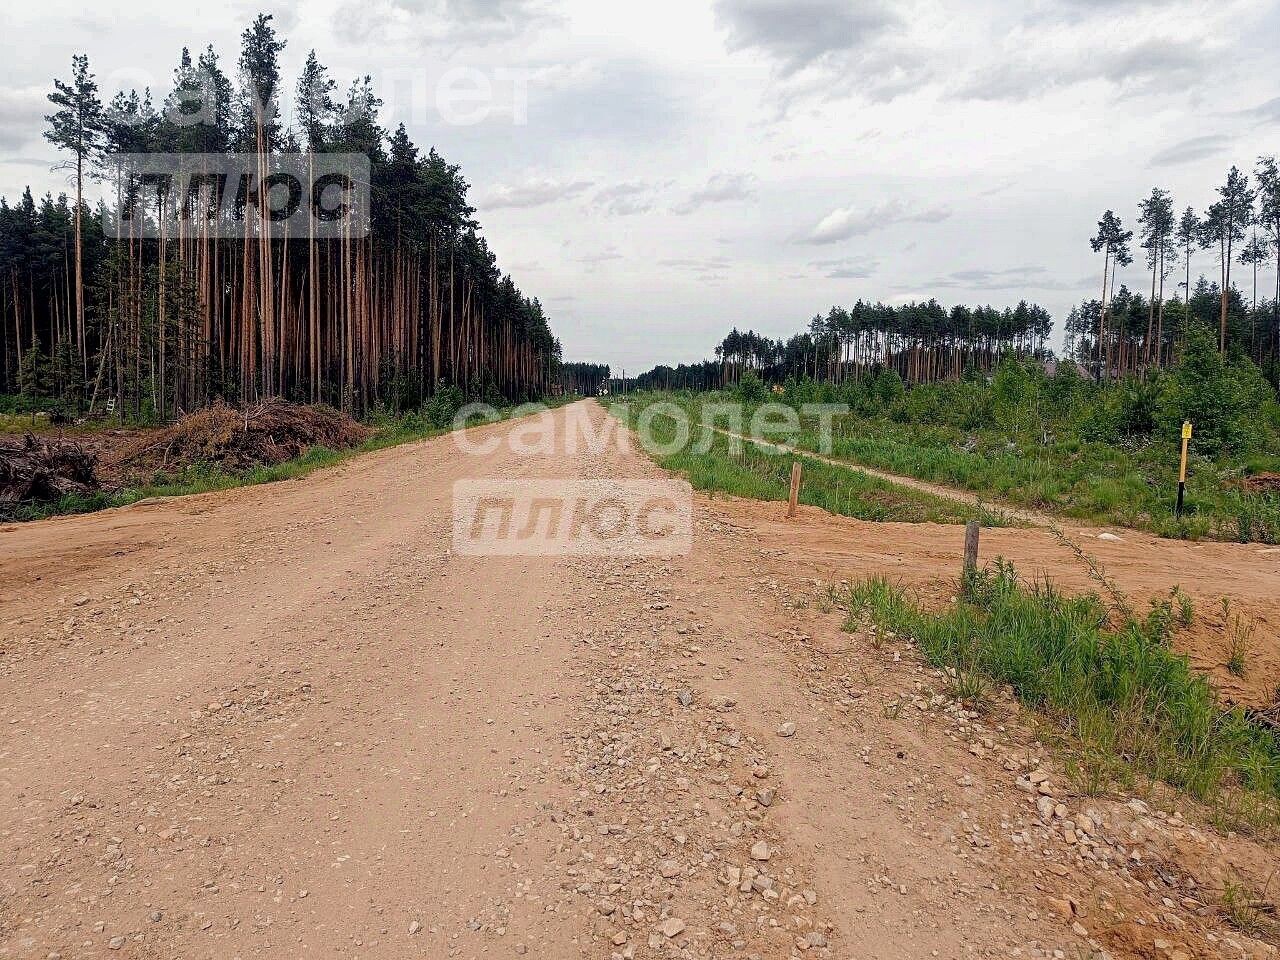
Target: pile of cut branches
44	470
263	434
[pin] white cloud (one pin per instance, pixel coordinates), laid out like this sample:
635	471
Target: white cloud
436	21
533	193
798	33
1024	278
626	199
847	268
1195	148
721	188
845	222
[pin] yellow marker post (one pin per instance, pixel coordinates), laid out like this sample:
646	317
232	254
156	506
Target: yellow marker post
1182	469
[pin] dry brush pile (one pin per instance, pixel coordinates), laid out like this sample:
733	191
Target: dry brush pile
264	434
43	470
38	469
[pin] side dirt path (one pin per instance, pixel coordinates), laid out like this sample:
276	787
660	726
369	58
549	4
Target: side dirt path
923	486
289	721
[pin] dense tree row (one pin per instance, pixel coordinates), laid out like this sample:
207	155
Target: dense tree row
586	379
707	375
387	312
1134	334
1251	328
922	342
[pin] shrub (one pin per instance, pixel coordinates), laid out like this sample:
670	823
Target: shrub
750	388
443	406
1222	400
888	387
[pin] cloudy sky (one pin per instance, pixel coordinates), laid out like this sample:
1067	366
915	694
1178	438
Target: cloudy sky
661	171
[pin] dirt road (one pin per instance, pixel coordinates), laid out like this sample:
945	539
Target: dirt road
288	721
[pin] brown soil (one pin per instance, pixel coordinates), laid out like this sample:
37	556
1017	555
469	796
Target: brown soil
288	721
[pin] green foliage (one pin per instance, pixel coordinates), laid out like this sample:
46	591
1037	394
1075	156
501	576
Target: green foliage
443	406
1015	395
1221	399
1065	444
750	388
1124	702
888	387
169	338
33	373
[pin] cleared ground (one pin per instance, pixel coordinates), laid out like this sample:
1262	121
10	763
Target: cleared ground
287	721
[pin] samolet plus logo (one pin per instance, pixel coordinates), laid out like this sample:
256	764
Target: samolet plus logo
235	196
638	518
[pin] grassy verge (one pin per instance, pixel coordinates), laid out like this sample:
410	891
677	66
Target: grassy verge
714	462
1131	485
207	478
1126	707
22	422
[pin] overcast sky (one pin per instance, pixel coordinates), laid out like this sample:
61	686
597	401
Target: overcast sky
661	171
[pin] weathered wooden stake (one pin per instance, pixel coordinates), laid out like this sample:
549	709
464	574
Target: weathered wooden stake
971	530
795	488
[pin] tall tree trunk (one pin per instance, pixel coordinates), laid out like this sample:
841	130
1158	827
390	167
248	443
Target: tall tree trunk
1102	312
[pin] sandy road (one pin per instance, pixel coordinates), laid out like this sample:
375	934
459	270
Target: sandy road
288	721
283	712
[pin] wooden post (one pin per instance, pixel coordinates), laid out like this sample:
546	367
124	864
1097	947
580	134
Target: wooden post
795	488
971	530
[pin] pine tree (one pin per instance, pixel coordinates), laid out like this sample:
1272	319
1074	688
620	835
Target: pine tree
408	303
1225	224
77	127
1157	226
1112	241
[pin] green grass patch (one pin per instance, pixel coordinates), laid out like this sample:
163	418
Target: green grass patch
714	462
1128	708
1127	483
23	422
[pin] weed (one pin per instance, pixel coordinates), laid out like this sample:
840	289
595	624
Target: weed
969	686
1186	611
1239	633
1244	909
1097	572
1122	701
893	709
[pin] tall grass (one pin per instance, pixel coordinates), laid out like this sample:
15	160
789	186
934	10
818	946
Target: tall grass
714	462
1127	706
1131	484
